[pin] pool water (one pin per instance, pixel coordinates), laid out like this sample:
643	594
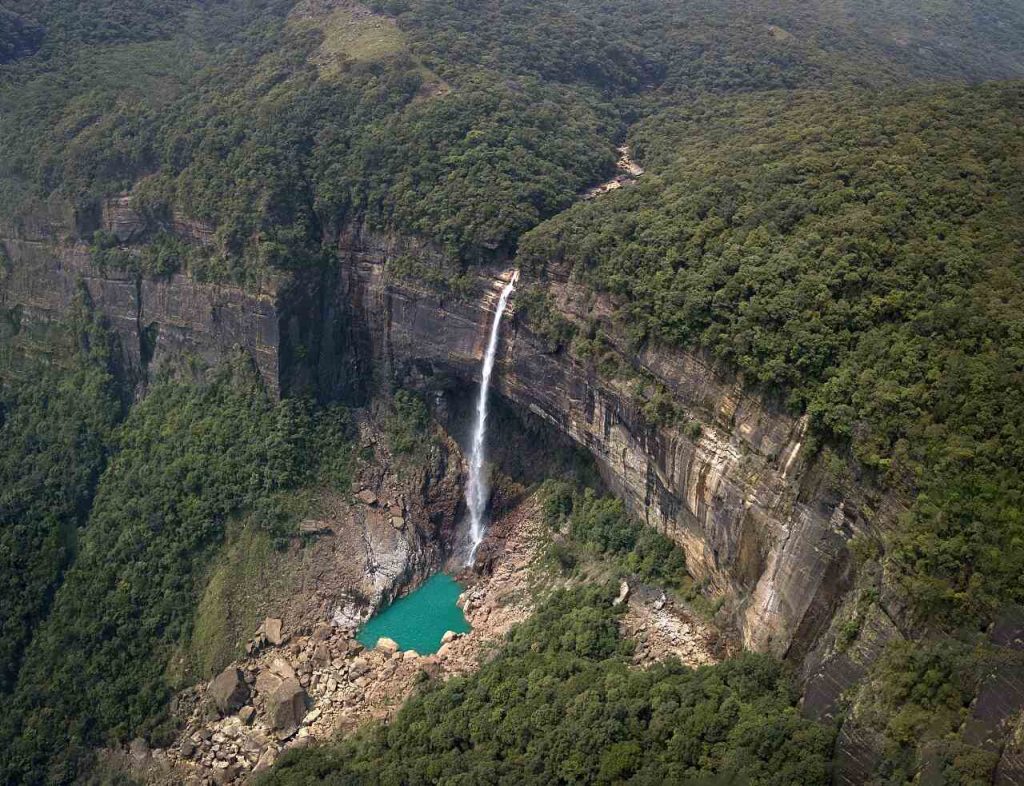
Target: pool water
420	619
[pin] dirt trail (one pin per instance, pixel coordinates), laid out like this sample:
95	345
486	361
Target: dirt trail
626	172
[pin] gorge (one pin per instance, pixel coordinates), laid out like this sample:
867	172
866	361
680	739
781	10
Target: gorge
731	497
761	527
564	392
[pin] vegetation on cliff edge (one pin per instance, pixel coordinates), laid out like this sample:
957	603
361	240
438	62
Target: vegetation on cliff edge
859	255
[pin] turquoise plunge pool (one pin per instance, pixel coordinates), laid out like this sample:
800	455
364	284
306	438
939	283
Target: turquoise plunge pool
420	619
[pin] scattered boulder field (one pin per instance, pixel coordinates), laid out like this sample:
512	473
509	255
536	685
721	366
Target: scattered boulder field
297	687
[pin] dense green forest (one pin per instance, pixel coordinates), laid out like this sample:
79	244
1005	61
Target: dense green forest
833	209
184	462
602	526
560	705
55	430
859	254
468	123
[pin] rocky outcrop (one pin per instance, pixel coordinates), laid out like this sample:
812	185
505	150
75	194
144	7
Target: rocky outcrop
228	691
172	323
733	488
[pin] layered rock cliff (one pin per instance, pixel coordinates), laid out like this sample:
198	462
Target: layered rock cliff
737	494
169	323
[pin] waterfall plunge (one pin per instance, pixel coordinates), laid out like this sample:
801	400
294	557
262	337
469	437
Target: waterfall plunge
477	491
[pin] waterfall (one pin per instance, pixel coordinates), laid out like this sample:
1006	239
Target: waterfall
477	491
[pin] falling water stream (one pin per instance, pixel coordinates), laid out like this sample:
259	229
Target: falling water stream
477	491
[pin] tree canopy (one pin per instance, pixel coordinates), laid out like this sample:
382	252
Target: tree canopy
561	705
859	255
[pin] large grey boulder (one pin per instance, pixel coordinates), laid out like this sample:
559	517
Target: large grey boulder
229	690
286	706
272	630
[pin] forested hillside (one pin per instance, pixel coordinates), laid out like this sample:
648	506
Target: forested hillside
832	214
185	461
468	123
859	255
55	431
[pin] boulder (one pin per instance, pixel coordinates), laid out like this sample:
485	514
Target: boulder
272	630
314	527
266	761
301	741
623	594
321	654
322	632
267	682
229	690
286	706
359	667
449	635
387	646
397	522
312	716
282	668
225	774
246	714
367	497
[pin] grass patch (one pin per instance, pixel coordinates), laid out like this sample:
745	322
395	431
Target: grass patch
356	35
360	36
245	578
251	579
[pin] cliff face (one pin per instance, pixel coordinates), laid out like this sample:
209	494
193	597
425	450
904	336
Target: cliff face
739	497
163	324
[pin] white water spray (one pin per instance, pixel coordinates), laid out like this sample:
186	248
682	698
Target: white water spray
477	491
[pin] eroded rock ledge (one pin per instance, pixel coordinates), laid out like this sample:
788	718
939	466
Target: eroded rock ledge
741	499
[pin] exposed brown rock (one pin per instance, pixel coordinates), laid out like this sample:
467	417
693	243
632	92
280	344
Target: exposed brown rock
387	646
228	690
286	706
728	495
282	668
266	761
272	630
267	682
367	497
314	527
